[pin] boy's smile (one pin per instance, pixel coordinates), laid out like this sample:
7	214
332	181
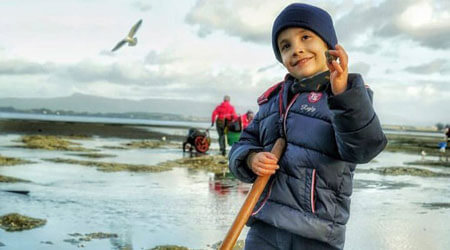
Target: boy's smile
302	52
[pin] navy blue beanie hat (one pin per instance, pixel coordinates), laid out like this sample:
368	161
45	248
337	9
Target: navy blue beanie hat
304	16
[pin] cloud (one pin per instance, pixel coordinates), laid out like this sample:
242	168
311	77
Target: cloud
163	83
420	91
358	25
441	66
427	22
424	22
142	6
108	53
252	20
418	102
85	71
118	73
249	20
157	58
268	67
159	76
442	85
360	67
21	67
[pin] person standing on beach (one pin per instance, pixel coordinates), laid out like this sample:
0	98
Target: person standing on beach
326	116
222	115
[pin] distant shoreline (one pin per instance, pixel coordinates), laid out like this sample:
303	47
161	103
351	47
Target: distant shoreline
153	122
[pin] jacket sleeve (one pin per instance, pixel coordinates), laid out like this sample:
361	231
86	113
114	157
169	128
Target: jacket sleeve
234	116
248	142
358	131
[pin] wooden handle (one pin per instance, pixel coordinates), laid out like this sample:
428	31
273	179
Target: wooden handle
250	201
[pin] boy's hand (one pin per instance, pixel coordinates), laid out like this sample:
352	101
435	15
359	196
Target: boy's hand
263	163
338	71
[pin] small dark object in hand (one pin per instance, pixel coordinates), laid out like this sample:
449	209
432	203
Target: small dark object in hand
329	57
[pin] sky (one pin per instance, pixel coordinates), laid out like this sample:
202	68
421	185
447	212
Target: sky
201	50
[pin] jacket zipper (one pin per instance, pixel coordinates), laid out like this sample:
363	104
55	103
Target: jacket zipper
313	207
286	112
265	199
313	184
284	115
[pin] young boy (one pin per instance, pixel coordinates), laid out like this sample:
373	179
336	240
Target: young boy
327	119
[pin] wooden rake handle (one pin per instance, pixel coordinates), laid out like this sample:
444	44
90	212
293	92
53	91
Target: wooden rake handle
250	202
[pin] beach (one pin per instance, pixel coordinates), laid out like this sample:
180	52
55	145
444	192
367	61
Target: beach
116	186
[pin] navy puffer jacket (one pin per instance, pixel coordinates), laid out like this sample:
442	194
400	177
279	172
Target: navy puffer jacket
326	136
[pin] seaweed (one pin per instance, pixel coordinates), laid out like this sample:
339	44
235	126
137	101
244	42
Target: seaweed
10	161
17	222
50	142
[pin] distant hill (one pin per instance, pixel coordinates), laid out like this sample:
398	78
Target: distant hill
95	104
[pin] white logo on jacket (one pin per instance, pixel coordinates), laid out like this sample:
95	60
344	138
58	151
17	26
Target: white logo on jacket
307	108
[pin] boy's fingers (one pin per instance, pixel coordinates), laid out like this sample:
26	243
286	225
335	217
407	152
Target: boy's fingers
330	67
267	166
271	166
337	67
270	155
268	161
262	171
343	57
333	52
339	47
341	54
268	158
265	171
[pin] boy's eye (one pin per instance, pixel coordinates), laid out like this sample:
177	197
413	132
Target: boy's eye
305	37
285	46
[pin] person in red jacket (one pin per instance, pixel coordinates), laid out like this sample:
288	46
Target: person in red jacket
246	118
222	114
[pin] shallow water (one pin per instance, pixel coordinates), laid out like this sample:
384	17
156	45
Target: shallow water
190	208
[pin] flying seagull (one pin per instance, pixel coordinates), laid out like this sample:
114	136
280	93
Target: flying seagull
130	39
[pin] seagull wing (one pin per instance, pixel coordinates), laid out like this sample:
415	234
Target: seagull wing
120	44
135	28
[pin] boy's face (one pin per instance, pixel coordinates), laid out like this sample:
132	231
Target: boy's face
302	52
